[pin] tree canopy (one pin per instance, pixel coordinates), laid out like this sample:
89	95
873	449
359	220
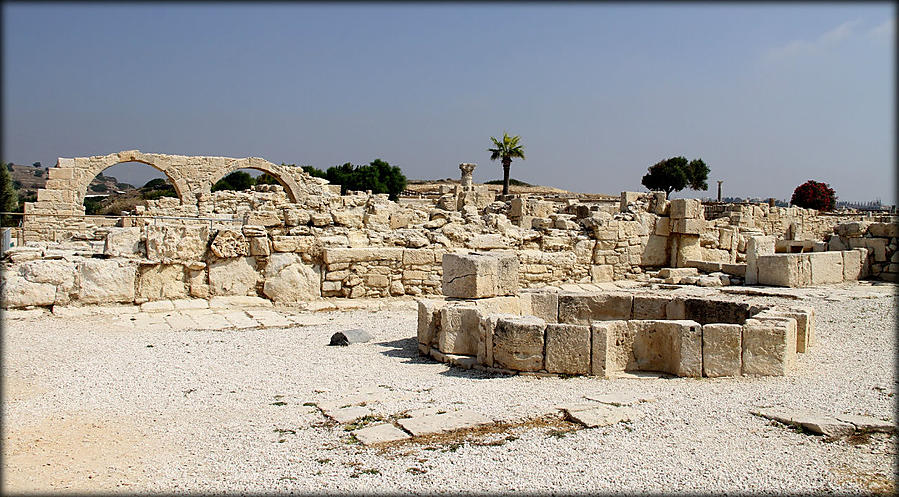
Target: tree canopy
506	150
378	176
814	195
9	198
675	174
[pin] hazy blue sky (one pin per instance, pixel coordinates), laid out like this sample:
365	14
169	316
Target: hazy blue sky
769	95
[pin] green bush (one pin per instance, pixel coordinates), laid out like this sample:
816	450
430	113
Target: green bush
238	180
378	176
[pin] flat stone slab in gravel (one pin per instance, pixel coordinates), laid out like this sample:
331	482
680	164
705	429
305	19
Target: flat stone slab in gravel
442	423
618	399
347	414
867	423
602	416
382	433
811	421
364	397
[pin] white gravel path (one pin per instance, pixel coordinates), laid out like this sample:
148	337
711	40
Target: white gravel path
208	405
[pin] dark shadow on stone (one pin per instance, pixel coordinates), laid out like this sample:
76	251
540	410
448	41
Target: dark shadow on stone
406	348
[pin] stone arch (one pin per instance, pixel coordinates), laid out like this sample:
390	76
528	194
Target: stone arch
285	175
93	166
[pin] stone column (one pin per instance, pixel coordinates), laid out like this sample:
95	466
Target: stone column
467	170
719	189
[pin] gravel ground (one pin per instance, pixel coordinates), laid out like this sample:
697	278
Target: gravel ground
88	406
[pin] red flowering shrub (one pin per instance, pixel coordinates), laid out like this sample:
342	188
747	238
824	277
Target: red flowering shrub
814	195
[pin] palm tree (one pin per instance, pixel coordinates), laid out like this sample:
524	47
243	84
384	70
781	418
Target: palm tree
507	150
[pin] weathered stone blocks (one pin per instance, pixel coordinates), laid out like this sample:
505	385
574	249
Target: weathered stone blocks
582	308
544	305
478	275
233	276
769	346
685	208
608	355
567	349
518	343
668	346
722	350
162	282
289	279
105	281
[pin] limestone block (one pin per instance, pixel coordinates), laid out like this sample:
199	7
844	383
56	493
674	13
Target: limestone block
805	324
494	305
123	242
826	267
486	328
233	276
685	208
649	307
289	279
351	218
101	281
197	283
16	291
705	311
611	351
296	217
60	273
428	320
788	270
543	304
458	332
655	252
601	273
722	349
162	282
670	272
685	247
176	243
769	346
477	275
663	226
852	265
756	246
883	230
518	343
229	243
582	308
260	246
627	198
320	219
418	257
568	348
264	218
671	346
687	226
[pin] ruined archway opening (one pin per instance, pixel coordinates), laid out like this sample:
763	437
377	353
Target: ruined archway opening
245	179
122	187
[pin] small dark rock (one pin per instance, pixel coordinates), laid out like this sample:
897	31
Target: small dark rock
347	337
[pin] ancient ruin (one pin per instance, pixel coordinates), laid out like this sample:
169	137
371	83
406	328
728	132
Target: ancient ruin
302	240
490	325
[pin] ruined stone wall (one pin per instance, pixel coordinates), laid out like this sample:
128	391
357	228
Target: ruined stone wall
274	243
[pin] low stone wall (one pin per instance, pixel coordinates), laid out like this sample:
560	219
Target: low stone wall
880	239
602	334
813	268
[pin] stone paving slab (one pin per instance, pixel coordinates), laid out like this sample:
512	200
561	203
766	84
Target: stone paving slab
186	304
618	399
603	415
812	421
237	301
180	321
239	319
157	306
347	414
269	318
213	321
867	423
382	433
442	423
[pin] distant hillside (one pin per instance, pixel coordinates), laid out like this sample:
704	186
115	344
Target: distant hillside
27	180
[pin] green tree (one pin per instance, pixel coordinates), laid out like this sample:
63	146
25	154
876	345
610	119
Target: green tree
238	180
675	174
9	198
267	179
506	150
36	164
315	172
378	176
814	195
